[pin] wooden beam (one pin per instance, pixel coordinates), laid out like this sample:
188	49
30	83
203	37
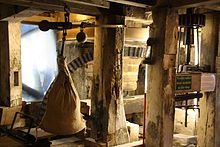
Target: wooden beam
54	5
36	19
191	3
109	122
9	10
131	3
95	3
215	7
128	11
161	79
10	64
217	103
16	13
209	46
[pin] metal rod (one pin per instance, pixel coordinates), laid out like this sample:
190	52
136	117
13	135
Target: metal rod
178	62
180	106
188	96
145	108
30	125
188	50
186	114
198	46
13	122
63	43
46	25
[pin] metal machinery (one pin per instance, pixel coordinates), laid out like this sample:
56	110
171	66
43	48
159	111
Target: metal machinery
191	78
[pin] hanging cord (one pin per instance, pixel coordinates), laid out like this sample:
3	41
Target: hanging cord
66	17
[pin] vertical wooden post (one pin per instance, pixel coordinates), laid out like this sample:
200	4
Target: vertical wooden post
161	79
206	124
217	102
109	123
10	64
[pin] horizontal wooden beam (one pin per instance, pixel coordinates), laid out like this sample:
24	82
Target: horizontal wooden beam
96	3
192	3
54	5
215	7
9	10
131	3
16	13
128	11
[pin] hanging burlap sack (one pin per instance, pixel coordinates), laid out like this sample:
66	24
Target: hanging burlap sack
62	115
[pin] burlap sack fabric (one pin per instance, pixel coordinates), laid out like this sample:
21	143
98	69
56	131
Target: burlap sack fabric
63	115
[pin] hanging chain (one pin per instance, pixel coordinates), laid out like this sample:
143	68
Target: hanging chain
67	19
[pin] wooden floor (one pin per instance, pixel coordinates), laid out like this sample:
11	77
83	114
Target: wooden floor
132	144
9	142
63	142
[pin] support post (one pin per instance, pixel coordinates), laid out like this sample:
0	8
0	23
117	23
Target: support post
161	79
109	122
10	64
217	103
209	44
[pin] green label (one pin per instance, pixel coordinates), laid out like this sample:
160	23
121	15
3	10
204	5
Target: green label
183	82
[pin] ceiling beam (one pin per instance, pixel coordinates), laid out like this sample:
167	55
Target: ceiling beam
215	7
192	3
126	2
16	13
95	3
54	5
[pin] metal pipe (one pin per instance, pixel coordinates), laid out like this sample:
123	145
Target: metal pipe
198	47
186	112
178	51
188	96
145	108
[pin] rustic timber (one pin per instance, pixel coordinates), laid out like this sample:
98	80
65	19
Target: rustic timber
209	45
217	102
36	19
9	10
109	123
16	13
191	3
161	79
54	5
7	114
127	10
131	3
96	3
10	64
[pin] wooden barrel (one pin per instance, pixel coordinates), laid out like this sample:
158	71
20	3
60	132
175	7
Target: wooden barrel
130	73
